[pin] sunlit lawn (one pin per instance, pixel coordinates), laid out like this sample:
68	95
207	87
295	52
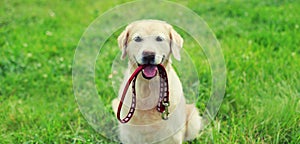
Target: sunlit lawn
259	39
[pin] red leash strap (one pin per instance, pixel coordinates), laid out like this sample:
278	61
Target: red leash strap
133	103
163	102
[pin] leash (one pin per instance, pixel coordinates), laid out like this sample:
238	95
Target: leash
163	102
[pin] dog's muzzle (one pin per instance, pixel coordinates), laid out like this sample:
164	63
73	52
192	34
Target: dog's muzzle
150	61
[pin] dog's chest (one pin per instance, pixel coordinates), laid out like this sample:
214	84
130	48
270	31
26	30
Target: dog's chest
147	93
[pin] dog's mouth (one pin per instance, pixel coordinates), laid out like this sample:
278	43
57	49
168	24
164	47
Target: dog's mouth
150	66
149	71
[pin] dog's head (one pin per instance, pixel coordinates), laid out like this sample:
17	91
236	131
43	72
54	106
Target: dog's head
149	43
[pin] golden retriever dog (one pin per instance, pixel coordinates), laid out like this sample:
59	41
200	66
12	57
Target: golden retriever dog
150	43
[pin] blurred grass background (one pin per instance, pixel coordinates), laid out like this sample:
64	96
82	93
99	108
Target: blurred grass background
260	42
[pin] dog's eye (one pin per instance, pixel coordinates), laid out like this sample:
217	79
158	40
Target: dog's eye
138	39
159	39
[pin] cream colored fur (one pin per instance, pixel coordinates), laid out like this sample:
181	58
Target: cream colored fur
146	125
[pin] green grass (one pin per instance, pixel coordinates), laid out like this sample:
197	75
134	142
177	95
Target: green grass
260	42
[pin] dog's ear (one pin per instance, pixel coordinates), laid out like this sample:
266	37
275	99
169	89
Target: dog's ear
176	43
122	42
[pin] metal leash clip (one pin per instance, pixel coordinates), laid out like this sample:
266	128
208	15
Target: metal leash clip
165	113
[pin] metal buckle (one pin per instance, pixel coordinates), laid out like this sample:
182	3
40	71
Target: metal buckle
165	113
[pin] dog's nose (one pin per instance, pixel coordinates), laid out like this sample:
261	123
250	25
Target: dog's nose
148	57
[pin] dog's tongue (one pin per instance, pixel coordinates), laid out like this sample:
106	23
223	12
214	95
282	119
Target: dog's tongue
150	71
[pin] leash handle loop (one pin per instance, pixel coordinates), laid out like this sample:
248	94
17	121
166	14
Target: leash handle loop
133	102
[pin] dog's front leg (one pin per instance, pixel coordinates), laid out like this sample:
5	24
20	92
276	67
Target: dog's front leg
194	122
115	104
